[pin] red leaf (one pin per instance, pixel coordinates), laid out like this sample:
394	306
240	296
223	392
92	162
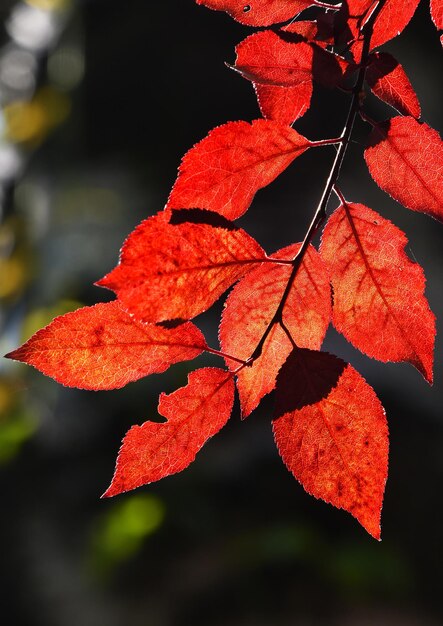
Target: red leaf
223	172
389	82
250	308
336	445
282	59
437	13
177	269
379	302
405	158
259	12
102	347
392	19
195	413
284	104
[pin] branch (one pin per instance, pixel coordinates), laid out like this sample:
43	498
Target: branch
320	213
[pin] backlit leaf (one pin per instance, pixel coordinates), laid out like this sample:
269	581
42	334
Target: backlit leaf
405	158
259	12
195	413
176	264
284	104
102	347
379	302
392	19
223	172
250	308
437	13
389	82
284	59
334	437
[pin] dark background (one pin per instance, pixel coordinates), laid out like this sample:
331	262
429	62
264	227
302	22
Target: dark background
233	540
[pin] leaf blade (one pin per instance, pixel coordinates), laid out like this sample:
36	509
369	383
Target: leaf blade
223	172
177	270
102	347
194	413
379	302
336	446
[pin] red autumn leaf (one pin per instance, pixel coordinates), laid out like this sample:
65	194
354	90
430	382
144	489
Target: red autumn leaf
223	172
288	104
392	19
389	82
283	59
334	435
176	264
405	158
195	413
102	347
379	303
437	15
284	104
259	12
250	308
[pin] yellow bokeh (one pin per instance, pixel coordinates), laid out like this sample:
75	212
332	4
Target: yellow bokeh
50	5
30	122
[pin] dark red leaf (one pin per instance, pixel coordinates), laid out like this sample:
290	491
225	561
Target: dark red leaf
176	271
102	347
389	82
405	158
271	58
195	413
250	308
379	302
392	19
337	445
259	12
223	172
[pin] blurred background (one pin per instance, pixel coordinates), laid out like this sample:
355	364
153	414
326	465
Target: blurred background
99	100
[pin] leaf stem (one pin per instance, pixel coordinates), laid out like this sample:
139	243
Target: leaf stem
224	355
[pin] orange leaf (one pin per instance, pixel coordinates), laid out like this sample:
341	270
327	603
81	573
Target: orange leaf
389	82
250	308
379	302
405	158
332	434
176	264
259	12
224	171
195	413
102	347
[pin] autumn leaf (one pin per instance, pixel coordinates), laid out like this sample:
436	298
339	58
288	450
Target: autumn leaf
284	59
259	12
176	264
194	413
405	158
102	347
333	436
393	17
379	303
437	13
284	104
250	308
389	82
223	172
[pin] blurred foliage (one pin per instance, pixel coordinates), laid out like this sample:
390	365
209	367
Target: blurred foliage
119	534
